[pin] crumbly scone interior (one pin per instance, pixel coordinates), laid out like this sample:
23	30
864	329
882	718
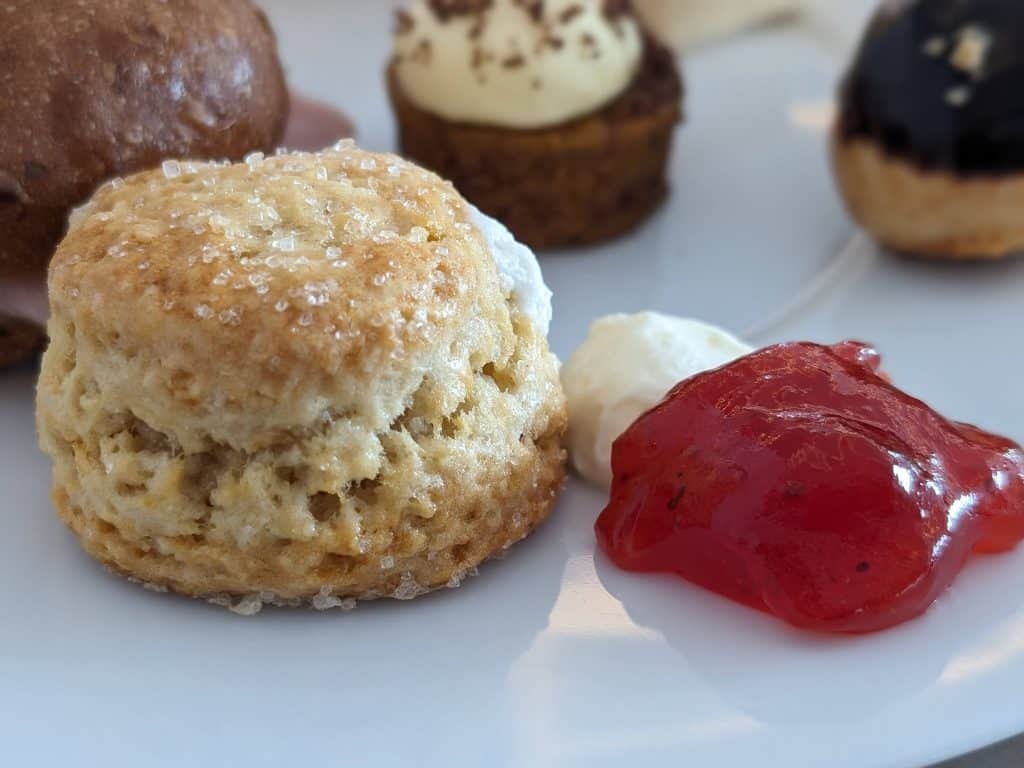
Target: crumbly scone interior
335	496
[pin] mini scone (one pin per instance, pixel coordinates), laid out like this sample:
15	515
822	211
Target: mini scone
311	377
928	147
555	117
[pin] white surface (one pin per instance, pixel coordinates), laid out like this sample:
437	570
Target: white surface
626	365
463	76
552	657
520	272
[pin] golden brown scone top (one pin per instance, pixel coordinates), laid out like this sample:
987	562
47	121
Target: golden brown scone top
342	261
91	89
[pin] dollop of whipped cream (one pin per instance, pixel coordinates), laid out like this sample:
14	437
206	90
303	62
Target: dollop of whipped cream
516	63
627	364
518	267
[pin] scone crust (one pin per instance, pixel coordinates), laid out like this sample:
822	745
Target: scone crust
299	378
931	213
100	88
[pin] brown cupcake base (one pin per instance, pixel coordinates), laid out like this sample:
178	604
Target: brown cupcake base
575	184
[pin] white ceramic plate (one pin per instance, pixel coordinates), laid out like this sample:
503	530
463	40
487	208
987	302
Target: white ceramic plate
553	657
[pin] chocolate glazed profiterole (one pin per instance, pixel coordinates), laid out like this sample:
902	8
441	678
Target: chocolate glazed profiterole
929	142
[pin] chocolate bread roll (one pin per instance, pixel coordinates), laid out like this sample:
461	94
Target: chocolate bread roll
93	89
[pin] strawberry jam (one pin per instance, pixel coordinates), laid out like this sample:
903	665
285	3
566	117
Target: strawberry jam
800	482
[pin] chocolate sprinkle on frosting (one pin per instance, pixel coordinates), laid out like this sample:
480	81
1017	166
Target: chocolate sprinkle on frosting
449	9
423	52
616	9
570	13
534	8
404	23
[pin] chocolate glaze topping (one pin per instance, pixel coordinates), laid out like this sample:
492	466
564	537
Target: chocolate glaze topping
447	9
941	83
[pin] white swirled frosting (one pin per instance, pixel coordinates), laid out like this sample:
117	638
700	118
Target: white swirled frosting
518	64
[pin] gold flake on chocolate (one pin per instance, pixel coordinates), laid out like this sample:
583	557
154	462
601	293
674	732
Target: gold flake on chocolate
973	45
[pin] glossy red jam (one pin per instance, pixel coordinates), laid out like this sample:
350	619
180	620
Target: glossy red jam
798	481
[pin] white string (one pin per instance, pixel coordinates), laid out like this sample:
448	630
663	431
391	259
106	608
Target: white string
858	252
